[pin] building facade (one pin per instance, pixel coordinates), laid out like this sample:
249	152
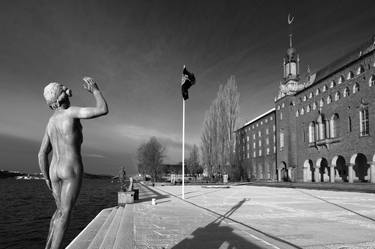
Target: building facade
324	123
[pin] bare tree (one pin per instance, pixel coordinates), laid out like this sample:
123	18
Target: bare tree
193	165
150	157
217	139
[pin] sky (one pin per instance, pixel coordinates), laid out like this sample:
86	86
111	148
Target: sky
136	50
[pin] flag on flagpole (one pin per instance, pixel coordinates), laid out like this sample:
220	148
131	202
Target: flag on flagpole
187	82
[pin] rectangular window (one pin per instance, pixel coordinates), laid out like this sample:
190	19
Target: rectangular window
254	136
268	151
260	143
267	131
267	141
260	152
254	154
254	145
248	155
259	133
364	122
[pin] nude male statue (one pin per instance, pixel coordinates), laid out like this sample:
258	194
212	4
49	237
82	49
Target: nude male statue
63	136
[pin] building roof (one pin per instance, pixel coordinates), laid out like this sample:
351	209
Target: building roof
257	118
343	61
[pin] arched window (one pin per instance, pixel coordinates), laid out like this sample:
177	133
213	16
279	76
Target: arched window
311	132
371	81
346	92
355	88
334	128
321	103
324	88
333	84
329	99
341	79
350	75
314	106
360	70
308	108
337	95
321	127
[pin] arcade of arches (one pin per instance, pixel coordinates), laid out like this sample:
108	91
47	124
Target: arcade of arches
357	169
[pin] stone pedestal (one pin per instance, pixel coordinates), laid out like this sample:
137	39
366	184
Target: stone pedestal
125	198
350	173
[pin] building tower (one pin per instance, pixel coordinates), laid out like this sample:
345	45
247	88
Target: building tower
285	103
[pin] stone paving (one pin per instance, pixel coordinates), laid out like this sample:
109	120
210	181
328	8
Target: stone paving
252	217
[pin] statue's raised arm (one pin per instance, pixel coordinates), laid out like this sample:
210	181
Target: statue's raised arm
101	107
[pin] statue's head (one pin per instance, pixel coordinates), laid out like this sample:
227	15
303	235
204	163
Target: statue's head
57	95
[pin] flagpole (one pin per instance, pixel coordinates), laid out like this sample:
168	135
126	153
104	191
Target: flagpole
183	148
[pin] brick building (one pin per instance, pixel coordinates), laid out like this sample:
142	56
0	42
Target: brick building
322	127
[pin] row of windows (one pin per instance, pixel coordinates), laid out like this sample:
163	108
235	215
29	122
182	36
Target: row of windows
322	129
260	153
259	143
247	138
337	97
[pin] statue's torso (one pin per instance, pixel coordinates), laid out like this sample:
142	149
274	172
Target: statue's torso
65	134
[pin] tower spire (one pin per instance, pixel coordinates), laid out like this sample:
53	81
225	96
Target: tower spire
290	40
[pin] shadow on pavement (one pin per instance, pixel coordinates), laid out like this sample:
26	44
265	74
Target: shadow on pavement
217	235
147	194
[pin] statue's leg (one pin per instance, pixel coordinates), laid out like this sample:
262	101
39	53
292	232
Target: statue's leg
69	192
56	192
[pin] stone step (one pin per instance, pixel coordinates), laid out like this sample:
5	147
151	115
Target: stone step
124	237
85	237
100	235
110	236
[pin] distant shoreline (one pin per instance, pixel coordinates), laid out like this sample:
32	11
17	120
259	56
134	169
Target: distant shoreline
36	176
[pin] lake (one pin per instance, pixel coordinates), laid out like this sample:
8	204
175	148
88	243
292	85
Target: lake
26	207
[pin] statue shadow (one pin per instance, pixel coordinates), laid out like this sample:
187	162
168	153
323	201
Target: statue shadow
218	235
146	194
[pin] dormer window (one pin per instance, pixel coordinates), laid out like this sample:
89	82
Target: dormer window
302	111
371	81
360	70
350	75
329	100
355	88
324	88
308	108
321	103
314	106
317	92
310	95
341	79
333	84
337	96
